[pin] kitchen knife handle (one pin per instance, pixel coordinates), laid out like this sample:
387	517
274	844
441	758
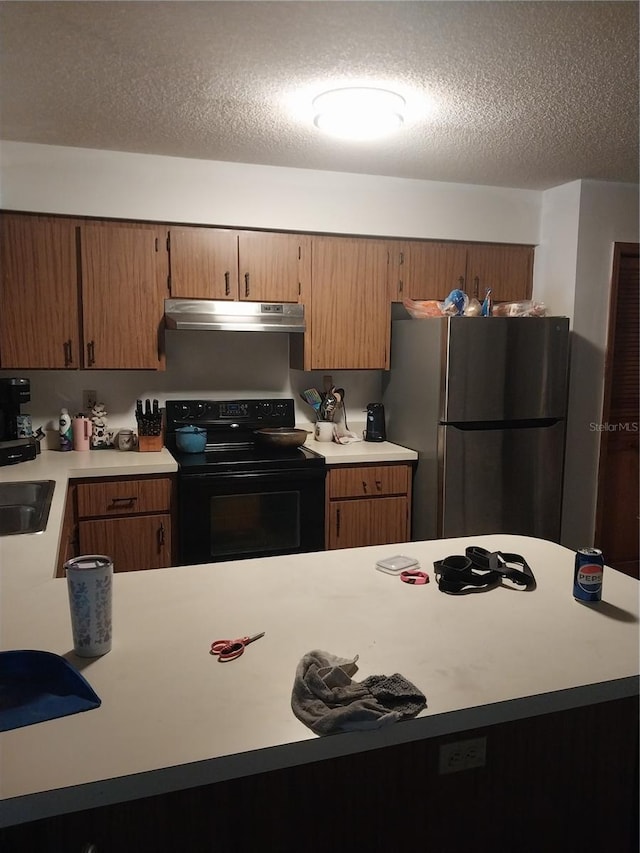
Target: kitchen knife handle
91	353
227	285
246	284
68	353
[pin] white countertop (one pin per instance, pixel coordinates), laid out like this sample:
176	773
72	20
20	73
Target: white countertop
173	717
358	452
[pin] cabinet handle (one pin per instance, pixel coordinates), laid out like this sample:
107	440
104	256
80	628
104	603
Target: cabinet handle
379	485
246	284
400	286
364	486
476	286
129	500
337	523
161	535
461	282
227	286
91	353
68	353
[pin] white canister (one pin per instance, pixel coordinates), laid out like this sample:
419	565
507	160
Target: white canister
89	583
323	431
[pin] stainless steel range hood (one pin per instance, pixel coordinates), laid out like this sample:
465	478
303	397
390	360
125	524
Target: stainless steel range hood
222	316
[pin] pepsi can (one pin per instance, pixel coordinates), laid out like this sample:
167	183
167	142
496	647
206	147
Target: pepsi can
587	575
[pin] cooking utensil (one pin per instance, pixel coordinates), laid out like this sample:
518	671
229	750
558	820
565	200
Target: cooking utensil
232	649
191	439
282	436
312	397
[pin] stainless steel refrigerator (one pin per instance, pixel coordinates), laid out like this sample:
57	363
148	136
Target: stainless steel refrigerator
483	402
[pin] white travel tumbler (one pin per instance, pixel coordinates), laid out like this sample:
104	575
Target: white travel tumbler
89	583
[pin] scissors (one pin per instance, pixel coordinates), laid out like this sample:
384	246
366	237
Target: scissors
232	649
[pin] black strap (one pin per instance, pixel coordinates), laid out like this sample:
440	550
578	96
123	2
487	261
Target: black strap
480	569
456	574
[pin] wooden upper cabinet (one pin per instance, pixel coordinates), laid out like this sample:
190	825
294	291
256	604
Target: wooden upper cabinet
203	263
272	266
427	270
507	270
350	309
124	283
39	318
257	266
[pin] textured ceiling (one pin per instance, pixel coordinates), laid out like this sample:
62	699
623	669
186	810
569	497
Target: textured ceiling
519	94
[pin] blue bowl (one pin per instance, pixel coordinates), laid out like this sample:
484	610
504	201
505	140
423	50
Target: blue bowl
191	439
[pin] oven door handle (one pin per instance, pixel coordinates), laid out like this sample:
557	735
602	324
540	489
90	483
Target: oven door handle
293	474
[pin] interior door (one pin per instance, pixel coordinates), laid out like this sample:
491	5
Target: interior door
618	482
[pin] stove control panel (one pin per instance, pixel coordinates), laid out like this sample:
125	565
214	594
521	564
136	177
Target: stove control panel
222	414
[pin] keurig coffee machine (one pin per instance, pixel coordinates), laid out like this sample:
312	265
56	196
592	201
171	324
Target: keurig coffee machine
13	393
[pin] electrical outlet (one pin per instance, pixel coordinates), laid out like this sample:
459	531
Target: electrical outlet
462	755
89	399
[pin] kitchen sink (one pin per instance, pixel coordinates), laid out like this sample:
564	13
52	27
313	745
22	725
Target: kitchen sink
24	507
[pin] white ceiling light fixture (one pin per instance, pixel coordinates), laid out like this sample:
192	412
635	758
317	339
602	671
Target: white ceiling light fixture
359	112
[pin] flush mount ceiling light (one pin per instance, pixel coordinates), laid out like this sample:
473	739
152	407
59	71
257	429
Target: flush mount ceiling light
359	112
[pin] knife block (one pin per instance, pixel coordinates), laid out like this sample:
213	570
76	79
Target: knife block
148	443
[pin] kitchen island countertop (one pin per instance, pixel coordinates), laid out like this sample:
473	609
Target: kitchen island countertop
172	717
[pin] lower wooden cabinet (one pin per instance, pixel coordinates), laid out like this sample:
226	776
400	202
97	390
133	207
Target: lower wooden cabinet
368	505
128	519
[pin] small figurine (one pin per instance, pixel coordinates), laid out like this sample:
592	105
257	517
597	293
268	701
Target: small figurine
100	439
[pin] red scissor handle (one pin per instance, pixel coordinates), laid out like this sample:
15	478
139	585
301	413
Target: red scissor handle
232	649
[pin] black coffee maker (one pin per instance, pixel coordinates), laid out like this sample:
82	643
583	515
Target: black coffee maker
13	393
375	429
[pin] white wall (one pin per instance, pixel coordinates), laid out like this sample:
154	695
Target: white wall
89	182
608	214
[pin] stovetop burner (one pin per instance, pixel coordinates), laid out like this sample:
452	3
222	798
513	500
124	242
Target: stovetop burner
231	442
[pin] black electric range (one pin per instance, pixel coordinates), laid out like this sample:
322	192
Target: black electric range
239	498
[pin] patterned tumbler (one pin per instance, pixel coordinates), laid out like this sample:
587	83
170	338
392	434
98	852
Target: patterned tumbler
89	583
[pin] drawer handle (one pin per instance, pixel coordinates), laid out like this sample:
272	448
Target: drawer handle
124	500
379	485
364	486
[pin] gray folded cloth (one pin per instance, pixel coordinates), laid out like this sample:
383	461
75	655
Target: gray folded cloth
328	701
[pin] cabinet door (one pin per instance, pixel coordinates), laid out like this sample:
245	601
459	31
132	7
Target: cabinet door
124	284
203	263
429	270
136	542
507	270
39	320
350	310
375	521
271	266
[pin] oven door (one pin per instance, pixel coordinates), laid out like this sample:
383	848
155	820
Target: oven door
235	516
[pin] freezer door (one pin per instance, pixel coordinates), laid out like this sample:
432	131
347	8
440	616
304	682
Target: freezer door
501	481
506	368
